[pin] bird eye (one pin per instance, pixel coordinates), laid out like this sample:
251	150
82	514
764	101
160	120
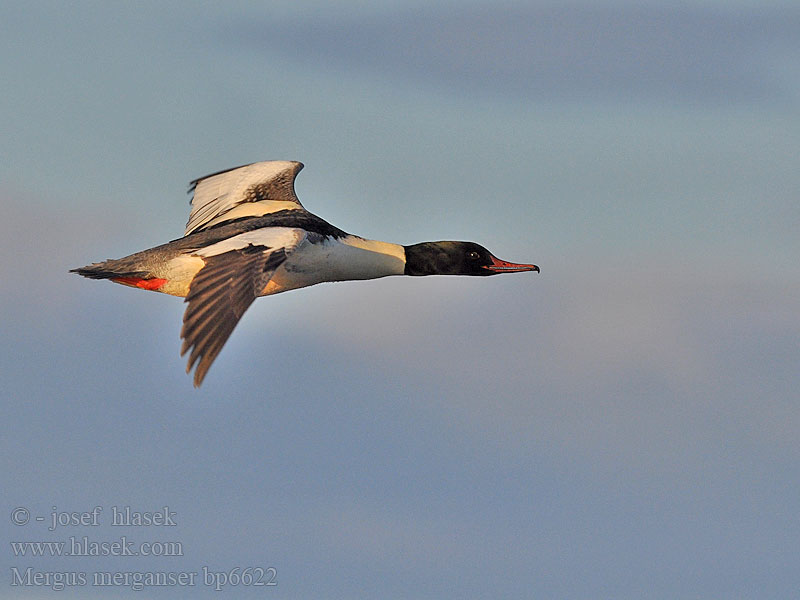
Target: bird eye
472	255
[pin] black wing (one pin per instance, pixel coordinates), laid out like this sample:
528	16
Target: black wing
218	296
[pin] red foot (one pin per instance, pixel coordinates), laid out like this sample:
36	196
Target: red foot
145	284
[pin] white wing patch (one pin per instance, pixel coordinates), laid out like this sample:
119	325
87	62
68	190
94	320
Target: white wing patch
252	190
271	237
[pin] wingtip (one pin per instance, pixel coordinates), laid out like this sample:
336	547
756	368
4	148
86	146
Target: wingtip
199	375
200	372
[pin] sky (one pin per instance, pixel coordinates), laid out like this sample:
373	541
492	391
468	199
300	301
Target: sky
621	425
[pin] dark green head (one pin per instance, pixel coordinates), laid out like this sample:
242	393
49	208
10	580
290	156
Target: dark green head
457	258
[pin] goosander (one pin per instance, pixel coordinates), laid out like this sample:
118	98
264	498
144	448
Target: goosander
249	236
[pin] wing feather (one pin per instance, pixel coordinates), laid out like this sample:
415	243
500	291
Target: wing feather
218	296
250	190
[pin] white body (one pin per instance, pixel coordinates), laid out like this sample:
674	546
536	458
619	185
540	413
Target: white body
346	259
307	263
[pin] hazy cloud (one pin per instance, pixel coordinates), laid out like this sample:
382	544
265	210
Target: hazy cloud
554	52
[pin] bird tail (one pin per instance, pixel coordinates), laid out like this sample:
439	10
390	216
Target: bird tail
107	270
120	271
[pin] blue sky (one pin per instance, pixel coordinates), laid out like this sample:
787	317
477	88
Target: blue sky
622	425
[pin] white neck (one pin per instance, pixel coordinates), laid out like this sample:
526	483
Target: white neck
369	259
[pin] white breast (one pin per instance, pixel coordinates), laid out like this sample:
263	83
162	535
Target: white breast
349	258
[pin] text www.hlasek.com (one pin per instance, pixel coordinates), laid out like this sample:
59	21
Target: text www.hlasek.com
83	546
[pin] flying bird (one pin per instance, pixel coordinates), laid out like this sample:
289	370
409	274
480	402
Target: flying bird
249	236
